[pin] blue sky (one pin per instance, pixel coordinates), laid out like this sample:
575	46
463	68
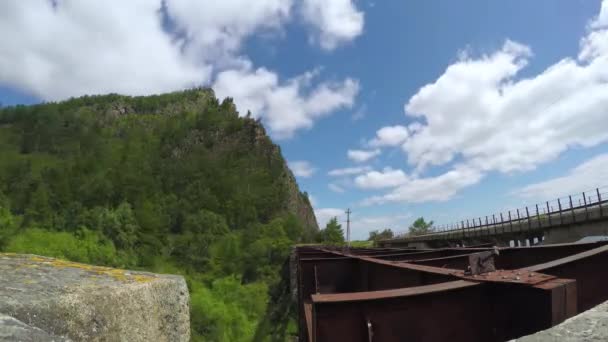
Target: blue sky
439	109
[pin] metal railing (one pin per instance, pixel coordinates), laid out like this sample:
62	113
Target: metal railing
578	208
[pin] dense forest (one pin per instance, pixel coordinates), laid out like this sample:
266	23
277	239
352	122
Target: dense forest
175	183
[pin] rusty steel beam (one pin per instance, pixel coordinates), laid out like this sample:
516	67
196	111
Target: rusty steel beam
354	295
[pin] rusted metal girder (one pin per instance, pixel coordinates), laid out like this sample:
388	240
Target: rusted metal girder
355	295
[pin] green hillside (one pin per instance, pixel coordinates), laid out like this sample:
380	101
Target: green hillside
175	183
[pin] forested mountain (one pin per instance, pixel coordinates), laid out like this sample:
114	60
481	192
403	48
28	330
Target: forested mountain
175	183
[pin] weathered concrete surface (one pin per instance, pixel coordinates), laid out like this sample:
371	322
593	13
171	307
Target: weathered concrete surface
12	330
591	325
573	233
91	303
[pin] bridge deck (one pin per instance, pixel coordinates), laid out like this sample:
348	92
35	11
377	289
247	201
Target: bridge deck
525	222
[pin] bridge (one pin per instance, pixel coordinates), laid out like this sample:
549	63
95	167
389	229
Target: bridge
566	219
448	294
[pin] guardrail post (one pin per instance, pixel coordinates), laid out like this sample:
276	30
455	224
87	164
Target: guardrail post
487	226
572	209
502	227
518	220
463	231
528	217
559	205
549	213
599	200
494	223
538	217
510	222
586	211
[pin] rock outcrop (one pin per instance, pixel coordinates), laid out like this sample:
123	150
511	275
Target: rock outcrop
50	299
255	139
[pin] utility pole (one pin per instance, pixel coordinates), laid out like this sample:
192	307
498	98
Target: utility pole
348	212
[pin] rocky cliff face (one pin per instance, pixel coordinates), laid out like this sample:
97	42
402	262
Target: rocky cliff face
253	138
45	299
297	202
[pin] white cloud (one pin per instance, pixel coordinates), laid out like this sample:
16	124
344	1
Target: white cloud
285	107
480	114
387	178
335	21
302	168
56	50
84	47
349	171
439	188
216	29
478	111
361	156
390	136
325	214
585	177
335	188
602	19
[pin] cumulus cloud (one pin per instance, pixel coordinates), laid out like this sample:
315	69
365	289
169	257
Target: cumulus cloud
82	47
302	168
587	176
390	136
478	111
439	188
217	28
323	215
361	156
348	171
55	50
335	21
285	107
602	19
387	178
480	114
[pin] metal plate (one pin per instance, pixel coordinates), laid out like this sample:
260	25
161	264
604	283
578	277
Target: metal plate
508	276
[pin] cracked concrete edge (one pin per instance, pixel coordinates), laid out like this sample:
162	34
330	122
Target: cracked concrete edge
591	325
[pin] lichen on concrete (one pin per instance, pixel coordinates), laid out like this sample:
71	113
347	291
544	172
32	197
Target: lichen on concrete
591	325
92	303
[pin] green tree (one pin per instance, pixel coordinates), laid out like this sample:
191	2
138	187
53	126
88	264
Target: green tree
175	183
200	231
332	233
118	224
7	222
375	235
420	227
